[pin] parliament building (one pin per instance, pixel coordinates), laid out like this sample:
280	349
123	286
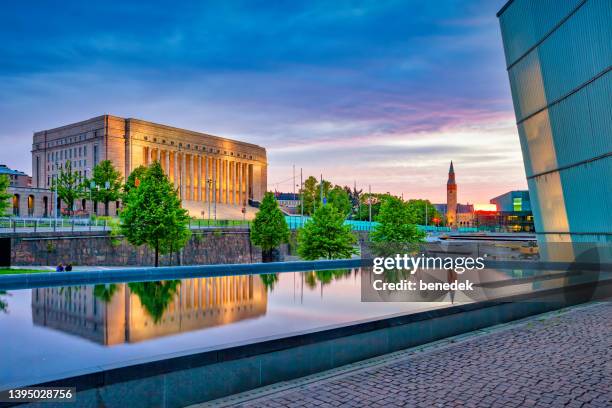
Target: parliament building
204	168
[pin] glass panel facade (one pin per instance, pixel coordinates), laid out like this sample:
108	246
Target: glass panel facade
559	59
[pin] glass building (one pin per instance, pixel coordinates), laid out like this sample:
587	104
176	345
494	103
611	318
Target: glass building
559	57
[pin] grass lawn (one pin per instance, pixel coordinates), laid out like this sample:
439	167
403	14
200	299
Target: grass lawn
14	271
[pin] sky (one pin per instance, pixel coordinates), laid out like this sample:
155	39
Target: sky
380	93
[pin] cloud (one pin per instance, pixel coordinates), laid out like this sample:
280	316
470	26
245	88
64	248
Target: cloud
383	92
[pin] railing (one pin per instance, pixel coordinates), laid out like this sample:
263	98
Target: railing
296	222
204	224
14	224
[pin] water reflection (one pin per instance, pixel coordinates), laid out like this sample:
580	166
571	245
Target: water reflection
131	312
313	278
137	311
3	303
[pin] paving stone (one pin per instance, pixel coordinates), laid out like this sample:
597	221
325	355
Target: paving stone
560	361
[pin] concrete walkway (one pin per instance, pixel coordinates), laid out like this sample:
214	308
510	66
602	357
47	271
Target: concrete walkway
560	359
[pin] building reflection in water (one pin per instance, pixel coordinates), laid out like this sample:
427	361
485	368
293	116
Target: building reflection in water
129	313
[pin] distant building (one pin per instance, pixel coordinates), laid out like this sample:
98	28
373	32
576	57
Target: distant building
16	177
559	62
451	197
117	314
514	211
289	201
457	215
26	201
204	168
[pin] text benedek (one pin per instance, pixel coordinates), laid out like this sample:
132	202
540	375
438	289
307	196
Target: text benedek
420	285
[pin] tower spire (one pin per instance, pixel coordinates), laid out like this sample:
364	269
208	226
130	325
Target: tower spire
451	197
451	174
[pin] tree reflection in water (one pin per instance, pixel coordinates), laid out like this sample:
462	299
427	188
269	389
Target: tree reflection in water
269	280
3	303
105	292
155	297
325	277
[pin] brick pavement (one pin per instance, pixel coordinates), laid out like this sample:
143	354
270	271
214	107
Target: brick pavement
560	360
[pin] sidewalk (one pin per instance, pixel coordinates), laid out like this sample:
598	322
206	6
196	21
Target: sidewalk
560	359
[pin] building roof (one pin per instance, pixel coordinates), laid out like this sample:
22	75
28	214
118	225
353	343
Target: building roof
461	208
286	196
154	124
512	193
451	170
4	169
504	8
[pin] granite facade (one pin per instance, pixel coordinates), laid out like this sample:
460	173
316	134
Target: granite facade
98	248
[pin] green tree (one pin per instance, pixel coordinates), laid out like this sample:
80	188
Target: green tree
108	183
153	215
5	182
68	185
326	236
339	198
376	200
355	199
269	229
134	178
309	194
396	229
422	208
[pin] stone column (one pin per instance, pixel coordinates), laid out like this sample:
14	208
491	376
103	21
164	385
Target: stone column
234	182
175	156
189	159
167	156
192	182
248	182
159	155
221	162
199	178
239	183
227	182
145	158
206	177
217	180
183	175
230	182
213	171
244	183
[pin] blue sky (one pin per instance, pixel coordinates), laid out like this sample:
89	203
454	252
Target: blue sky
382	92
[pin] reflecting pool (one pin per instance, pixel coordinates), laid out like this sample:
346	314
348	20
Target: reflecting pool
56	332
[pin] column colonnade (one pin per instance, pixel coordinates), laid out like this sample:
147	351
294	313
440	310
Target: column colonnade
199	176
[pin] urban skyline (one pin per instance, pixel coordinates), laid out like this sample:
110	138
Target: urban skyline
379	94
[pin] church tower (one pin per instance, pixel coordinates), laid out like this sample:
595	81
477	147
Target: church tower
451	197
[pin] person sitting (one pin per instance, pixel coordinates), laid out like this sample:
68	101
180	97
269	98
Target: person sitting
59	268
68	267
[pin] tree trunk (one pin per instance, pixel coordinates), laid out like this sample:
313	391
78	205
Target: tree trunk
156	254
106	208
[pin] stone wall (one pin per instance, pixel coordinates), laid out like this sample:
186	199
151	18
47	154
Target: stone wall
96	248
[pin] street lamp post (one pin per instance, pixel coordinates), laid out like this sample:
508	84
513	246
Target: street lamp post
370	202
86	170
54	184
209	182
